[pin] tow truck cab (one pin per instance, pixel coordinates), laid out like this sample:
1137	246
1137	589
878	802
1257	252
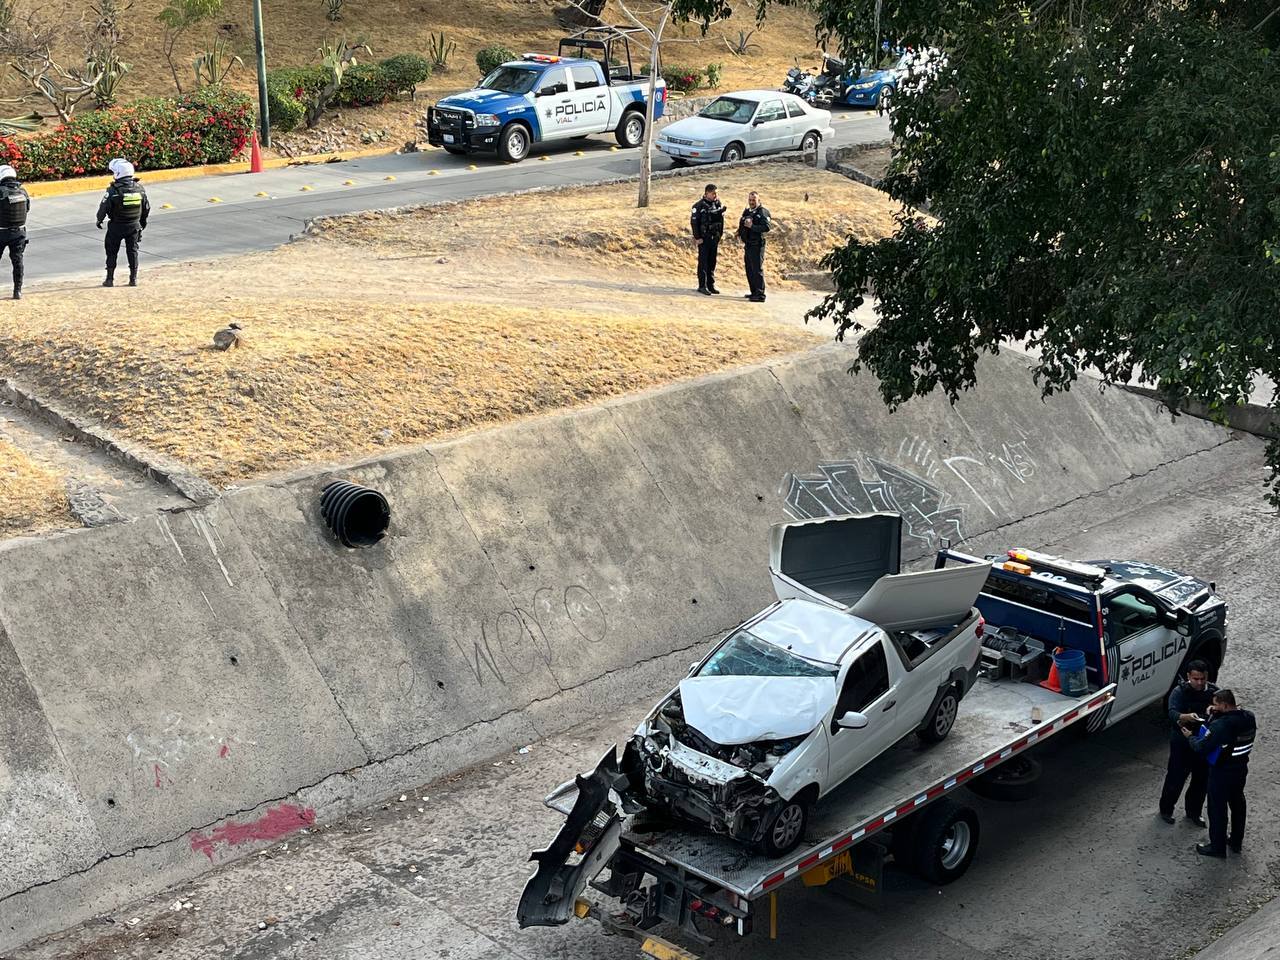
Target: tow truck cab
1136	623
590	87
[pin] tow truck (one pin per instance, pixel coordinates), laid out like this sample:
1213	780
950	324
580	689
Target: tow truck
1135	622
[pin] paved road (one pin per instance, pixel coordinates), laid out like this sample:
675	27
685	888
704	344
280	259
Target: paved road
1085	871
65	243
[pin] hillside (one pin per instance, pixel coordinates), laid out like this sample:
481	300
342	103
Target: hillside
295	29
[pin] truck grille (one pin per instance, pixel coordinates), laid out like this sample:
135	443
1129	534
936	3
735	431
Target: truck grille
453	119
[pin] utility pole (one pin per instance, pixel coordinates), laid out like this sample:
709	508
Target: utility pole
264	113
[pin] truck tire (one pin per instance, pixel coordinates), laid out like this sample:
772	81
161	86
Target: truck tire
630	132
1014	780
943	716
784	827
513	143
945	839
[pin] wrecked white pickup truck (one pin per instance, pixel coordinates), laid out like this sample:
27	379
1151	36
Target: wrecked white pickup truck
852	658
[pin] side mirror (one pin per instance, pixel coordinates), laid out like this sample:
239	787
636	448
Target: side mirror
757	121
550	91
852	721
1170	620
693	666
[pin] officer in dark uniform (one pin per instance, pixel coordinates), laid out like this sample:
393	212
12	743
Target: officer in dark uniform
1226	743
126	206
1188	701
753	226
707	222
14	207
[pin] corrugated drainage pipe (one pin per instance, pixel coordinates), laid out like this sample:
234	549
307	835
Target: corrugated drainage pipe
357	515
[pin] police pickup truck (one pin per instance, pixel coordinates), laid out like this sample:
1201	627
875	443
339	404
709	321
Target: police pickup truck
541	98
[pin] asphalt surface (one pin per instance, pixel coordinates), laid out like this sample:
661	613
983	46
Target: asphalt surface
1086	870
195	226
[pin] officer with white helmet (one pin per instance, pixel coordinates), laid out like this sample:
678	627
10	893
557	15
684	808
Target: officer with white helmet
126	208
15	204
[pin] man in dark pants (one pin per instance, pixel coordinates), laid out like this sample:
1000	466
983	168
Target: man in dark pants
14	207
1188	702
707	222
125	204
753	226
1226	744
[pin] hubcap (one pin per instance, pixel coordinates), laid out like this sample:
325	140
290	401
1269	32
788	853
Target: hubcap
635	130
515	144
955	845
787	827
734	154
810	143
946	714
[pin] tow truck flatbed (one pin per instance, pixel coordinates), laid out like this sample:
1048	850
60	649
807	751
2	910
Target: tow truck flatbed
996	724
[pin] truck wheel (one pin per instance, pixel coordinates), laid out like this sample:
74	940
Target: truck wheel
946	838
1013	780
784	827
513	145
943	718
630	132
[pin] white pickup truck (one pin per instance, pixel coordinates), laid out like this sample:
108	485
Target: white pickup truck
589	88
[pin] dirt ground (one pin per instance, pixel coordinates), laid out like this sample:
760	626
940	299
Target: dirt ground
32	497
295	29
873	162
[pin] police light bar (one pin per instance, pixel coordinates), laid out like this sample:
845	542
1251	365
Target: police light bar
1052	564
541	58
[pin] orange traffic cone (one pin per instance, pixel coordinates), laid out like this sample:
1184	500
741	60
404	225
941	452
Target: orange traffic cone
255	155
1052	683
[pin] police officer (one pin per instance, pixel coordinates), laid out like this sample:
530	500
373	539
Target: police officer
14	207
1188	702
707	222
125	204
1226	743
753	226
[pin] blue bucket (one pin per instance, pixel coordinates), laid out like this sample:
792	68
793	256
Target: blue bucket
1071	672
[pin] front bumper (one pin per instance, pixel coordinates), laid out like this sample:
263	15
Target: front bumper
689	154
457	130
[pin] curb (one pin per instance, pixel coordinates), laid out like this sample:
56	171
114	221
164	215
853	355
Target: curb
60	188
196	489
1247	417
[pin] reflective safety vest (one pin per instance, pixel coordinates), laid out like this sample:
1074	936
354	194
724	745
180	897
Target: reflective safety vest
126	202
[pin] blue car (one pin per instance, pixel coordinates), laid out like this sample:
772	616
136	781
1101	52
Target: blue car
840	84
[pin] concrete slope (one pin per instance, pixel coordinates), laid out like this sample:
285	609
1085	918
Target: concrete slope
195	686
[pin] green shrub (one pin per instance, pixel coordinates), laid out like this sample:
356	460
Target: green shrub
712	74
492	57
363	85
208	126
681	78
288	90
404	71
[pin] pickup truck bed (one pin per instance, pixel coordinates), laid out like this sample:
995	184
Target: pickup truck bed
996	724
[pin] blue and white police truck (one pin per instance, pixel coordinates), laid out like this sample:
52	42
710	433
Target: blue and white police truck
588	88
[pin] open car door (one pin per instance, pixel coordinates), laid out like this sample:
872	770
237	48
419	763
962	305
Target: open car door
852	563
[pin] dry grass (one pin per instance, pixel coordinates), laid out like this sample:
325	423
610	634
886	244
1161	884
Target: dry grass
812	211
330	380
296	28
32	497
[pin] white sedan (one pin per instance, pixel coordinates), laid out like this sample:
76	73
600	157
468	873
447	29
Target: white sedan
746	124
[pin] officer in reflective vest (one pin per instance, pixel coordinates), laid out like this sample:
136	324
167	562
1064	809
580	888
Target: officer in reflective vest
14	207
1226	742
126	207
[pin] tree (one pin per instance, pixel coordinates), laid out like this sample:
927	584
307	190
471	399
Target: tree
179	16
28	43
1101	179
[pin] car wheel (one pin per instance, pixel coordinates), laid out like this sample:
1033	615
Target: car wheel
734	151
883	98
946	838
784	828
1014	780
513	145
810	142
630	131
943	717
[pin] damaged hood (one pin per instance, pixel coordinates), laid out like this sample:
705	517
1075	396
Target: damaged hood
736	710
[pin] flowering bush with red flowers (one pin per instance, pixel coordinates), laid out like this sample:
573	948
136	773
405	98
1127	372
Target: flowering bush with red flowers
208	126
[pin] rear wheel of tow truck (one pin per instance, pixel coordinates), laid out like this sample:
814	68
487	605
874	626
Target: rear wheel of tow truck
630	132
945	837
513	144
943	717
784	829
1015	779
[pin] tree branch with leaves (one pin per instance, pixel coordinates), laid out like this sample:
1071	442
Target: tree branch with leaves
178	17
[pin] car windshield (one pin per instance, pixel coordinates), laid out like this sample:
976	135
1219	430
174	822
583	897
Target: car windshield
729	108
510	80
746	655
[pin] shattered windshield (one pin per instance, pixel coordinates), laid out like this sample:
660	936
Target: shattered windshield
746	655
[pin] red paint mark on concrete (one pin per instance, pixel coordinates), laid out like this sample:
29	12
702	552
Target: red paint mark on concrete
275	823
223	751
161	777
